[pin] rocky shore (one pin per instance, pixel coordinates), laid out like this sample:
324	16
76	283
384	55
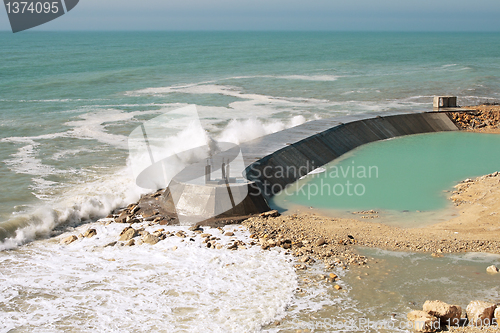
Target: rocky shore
313	238
482	118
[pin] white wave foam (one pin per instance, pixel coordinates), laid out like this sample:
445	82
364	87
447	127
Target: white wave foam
24	162
73	204
324	78
238	131
85	286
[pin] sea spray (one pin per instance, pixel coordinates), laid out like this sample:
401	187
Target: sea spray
87	200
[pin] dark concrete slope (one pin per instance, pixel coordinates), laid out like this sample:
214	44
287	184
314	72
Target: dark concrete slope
277	160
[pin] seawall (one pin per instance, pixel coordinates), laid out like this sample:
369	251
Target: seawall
277	160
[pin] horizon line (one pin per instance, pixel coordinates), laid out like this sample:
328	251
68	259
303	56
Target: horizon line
256	30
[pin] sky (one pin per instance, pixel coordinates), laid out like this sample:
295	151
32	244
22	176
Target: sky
353	15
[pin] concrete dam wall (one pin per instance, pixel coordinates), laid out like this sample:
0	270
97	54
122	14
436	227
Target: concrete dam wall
272	162
277	160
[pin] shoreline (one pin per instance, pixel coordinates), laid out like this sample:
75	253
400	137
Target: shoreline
475	229
313	238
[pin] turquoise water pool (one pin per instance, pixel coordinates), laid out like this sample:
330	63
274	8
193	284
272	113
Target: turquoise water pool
411	173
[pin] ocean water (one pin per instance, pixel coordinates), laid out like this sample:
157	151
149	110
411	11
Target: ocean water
68	101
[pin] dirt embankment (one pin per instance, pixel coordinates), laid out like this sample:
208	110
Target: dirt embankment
481	118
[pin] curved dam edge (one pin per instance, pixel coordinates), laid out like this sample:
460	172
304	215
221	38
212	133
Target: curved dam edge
278	160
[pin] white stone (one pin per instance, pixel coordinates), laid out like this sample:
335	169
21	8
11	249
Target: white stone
492	269
480	313
68	240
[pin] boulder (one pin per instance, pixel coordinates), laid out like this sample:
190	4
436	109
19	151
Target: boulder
229	233
492	269
90	233
68	240
480	313
150	239
123	217
127	234
423	322
449	314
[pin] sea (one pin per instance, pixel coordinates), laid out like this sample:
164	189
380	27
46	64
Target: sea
70	100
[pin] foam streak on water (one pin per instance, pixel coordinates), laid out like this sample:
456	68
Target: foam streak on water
85	286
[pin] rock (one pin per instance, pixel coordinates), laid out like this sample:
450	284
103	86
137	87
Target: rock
492	269
445	312
205	235
127	234
150	239
195	227
480	313
423	322
337	287
497	315
90	233
148	215
123	217
68	240
130	243
271	213
332	276
320	241
111	244
174	248
229	233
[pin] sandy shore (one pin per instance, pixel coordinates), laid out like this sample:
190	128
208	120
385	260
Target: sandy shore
477	228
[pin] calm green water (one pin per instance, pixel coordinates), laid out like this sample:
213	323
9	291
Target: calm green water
409	173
